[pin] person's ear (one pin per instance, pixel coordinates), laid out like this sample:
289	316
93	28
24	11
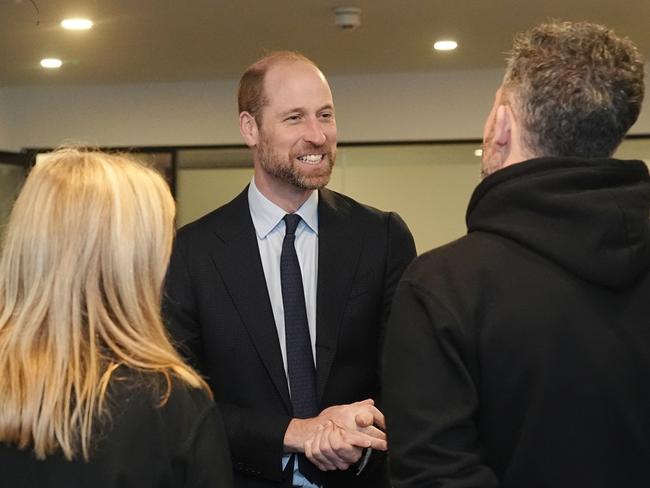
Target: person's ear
511	137
248	129
503	120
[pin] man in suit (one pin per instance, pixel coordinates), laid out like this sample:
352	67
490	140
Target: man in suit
293	362
526	343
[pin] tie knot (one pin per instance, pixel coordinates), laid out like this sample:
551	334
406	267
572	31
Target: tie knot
291	221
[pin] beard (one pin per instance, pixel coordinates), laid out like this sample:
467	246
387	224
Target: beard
293	172
490	161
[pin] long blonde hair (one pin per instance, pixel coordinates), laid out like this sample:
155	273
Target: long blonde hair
83	261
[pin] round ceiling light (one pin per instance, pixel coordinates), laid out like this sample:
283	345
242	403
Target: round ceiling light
446	45
77	24
51	63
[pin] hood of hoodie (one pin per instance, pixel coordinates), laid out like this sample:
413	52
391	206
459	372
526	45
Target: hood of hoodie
590	216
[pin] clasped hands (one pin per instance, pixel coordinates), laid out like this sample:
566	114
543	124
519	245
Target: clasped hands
337	437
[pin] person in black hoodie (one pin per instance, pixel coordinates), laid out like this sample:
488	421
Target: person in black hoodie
519	355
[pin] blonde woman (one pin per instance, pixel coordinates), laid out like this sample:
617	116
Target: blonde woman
91	391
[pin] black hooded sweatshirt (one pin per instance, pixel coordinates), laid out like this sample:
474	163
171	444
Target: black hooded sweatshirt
519	355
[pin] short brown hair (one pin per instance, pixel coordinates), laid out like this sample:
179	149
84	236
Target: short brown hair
578	88
250	96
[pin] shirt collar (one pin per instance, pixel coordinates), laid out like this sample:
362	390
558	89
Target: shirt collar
267	215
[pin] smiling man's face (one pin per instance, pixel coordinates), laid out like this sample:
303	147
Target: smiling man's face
297	134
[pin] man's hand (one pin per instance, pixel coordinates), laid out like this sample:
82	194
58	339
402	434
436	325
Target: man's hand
336	438
362	417
334	448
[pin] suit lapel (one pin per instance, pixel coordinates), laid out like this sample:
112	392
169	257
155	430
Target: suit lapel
339	247
238	260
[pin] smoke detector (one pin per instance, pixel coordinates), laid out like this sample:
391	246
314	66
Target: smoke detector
347	18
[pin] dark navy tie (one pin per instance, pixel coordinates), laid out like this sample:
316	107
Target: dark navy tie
300	361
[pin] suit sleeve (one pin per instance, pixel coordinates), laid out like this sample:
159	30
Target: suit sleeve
430	397
401	251
256	436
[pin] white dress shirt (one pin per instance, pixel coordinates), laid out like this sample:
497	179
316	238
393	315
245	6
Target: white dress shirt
270	229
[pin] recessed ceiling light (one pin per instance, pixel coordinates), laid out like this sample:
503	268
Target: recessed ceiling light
77	24
446	45
51	63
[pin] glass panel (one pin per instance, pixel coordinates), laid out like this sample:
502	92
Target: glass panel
209	178
428	185
11	180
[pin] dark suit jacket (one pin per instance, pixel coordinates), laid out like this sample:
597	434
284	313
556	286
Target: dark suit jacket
218	311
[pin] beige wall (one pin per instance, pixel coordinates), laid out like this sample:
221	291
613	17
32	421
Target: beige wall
635	149
378	107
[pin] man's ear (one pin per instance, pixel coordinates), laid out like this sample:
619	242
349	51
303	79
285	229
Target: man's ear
503	127
248	129
509	136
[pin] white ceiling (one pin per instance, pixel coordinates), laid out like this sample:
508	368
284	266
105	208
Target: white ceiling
174	40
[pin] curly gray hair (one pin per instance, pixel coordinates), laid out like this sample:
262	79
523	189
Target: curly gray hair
577	86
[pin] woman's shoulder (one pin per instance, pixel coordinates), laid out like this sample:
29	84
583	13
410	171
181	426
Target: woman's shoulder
181	429
162	401
148	433
155	388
